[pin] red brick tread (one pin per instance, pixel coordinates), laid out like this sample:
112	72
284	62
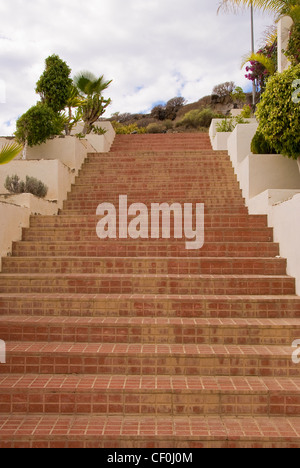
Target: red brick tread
159	432
112	394
149	359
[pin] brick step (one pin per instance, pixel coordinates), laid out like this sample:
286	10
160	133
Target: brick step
162	157
95	181
163	196
155	265
134	395
203	153
88	234
158	145
147	284
211	221
92	201
149	248
90	208
132	189
151	305
158	166
152	146
211	172
148	359
158	432
150	330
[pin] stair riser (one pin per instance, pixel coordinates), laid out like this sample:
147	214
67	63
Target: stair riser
175	195
141	442
93	202
158	308
91	236
144	266
136	364
104	249
147	334
151	403
79	208
180	285
216	221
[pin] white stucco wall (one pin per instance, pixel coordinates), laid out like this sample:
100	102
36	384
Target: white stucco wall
68	150
270	185
99	143
260	172
239	142
57	176
12	219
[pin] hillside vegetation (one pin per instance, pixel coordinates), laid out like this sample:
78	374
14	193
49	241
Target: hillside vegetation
178	116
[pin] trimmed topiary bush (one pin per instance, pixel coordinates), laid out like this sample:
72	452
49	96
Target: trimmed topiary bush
279	115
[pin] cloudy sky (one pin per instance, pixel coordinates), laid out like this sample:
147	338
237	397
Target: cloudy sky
152	49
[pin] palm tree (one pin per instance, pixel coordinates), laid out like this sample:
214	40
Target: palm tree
74	102
93	105
9	152
279	7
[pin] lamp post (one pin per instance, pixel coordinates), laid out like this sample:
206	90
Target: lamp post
253	51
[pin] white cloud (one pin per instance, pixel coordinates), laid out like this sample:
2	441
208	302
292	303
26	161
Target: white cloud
152	50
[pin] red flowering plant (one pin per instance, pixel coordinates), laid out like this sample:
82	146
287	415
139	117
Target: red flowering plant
259	70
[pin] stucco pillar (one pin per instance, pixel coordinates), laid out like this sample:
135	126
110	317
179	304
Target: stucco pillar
284	27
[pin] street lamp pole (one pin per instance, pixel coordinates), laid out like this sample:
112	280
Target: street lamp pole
253	51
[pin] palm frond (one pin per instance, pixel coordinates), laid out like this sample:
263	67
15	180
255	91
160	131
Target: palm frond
269	36
278	7
9	152
265	61
83	80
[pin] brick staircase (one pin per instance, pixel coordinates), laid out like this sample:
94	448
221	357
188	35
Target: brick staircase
142	343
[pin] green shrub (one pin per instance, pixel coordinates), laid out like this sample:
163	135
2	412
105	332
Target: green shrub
228	125
225	126
246	112
198	118
156	128
14	185
38	124
168	124
127	129
32	185
293	50
260	145
279	116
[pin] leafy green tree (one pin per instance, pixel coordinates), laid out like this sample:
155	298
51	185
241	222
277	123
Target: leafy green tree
173	106
238	95
55	84
224	89
9	151
93	104
38	124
